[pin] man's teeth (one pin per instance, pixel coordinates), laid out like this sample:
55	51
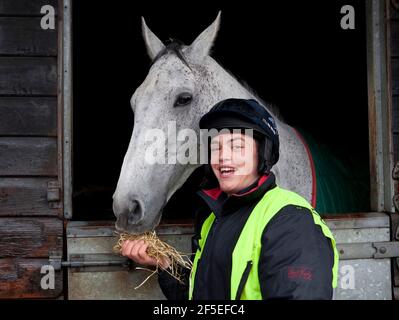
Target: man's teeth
224	170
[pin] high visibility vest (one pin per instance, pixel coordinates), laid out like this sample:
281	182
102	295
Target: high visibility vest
246	253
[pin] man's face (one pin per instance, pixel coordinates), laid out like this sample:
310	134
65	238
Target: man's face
234	161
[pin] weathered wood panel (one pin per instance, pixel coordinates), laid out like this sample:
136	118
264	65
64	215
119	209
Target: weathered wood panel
21	278
28	156
25	197
28	68
28	116
30	237
28	76
395	38
92	242
25	7
24	36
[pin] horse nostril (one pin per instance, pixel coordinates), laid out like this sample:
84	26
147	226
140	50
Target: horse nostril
135	214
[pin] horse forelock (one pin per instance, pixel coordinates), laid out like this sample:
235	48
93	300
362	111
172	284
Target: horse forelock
175	47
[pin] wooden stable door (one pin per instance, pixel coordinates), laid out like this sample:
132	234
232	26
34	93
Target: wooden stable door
31	225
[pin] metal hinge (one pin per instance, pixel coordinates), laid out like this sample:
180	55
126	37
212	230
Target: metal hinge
90	262
368	250
54	194
55	258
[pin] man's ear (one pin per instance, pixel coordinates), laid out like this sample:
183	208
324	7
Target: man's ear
152	42
201	46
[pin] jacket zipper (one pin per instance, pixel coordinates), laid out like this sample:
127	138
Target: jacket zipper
243	280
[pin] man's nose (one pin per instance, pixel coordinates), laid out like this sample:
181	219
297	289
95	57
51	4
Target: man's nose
225	154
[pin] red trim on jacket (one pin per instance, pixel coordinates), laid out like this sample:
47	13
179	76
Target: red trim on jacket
213	193
216	192
260	182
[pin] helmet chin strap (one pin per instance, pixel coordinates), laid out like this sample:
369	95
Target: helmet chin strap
264	168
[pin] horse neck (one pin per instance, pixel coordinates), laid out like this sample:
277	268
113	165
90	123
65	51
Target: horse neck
225	85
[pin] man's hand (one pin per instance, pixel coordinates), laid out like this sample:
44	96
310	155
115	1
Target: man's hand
137	251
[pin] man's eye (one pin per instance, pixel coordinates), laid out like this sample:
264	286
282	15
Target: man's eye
237	147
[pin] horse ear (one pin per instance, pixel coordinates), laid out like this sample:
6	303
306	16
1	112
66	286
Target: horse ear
201	46
152	42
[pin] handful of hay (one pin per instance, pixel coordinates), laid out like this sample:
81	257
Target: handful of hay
160	251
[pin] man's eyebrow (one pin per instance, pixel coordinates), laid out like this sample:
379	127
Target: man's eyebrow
231	140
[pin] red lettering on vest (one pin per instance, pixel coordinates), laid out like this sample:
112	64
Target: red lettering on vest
299	273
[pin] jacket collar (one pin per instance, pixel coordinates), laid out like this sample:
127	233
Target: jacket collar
221	204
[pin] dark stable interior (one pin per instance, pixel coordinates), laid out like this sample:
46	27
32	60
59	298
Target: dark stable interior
295	56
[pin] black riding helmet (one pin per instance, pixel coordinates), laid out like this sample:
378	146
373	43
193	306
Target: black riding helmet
247	114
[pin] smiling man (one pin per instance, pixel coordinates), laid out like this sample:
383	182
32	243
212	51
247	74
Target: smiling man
254	240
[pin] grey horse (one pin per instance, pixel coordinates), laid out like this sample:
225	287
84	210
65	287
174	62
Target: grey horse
183	83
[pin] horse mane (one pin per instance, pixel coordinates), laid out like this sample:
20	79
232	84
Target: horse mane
269	106
175	47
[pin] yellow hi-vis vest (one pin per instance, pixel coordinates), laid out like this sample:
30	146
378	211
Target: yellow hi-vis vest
247	249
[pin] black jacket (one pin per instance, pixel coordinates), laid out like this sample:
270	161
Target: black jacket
296	258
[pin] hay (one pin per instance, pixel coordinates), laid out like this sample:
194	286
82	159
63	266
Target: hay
160	251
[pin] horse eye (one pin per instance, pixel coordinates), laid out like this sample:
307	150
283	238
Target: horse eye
183	99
